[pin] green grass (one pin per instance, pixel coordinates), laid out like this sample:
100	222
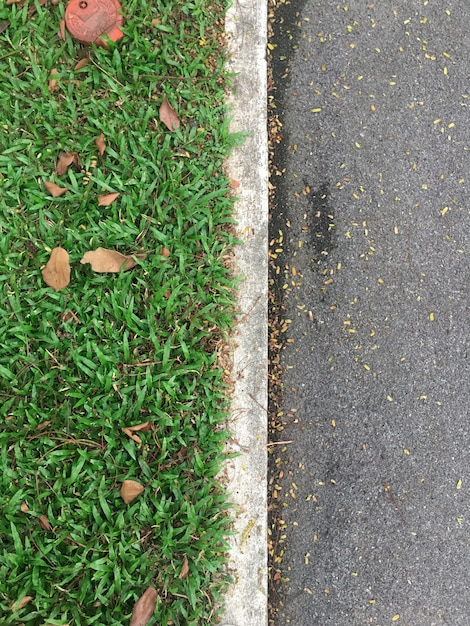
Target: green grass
113	350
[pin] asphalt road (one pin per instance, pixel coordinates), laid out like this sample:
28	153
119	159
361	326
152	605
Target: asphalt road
370	502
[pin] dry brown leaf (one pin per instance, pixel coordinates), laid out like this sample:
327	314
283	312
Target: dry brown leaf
131	430
66	159
54	189
44	522
144	608
134	437
81	64
24	507
168	115
56	273
184	568
107	199
165	252
69	315
130	489
16	606
61	33
53	84
144	427
4	25
103	260
101	144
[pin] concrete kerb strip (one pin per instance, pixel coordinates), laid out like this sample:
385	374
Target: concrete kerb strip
246	601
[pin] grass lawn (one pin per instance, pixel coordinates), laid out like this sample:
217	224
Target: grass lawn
113	350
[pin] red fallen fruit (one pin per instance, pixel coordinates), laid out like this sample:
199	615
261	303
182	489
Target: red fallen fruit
88	20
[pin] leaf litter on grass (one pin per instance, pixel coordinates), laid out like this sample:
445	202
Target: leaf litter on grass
82	368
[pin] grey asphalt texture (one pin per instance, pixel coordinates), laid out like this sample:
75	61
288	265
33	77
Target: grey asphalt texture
370	502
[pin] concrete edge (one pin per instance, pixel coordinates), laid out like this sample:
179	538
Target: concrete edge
246	600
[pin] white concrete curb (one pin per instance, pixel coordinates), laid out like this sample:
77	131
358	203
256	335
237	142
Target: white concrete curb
246	601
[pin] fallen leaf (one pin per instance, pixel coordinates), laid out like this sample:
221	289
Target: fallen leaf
61	33
134	437
44	522
4	25
107	198
69	315
24	507
131	430
101	144
130	489
81	64
66	159
103	260
53	84
56	273
144	608
234	183
184	568
144	427
54	189
165	252
168	115
16	606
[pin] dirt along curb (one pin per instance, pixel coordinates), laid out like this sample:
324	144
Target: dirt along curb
246	601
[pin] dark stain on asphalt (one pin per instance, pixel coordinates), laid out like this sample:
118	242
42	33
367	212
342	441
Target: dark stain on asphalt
320	222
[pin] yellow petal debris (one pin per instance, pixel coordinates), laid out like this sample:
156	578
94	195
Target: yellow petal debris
406	451
459	484
396	617
431	316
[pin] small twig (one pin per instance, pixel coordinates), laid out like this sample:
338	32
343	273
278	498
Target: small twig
256	401
247	314
279	443
394	500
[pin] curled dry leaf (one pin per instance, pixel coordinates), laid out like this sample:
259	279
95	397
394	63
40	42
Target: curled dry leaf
44	522
130	489
19	604
61	32
184	568
81	64
165	252
54	189
107	198
56	273
53	84
66	159
103	260
131	430
133	436
24	507
168	115
101	144
144	608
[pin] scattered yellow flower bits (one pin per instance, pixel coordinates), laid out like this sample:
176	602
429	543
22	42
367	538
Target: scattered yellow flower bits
431	316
